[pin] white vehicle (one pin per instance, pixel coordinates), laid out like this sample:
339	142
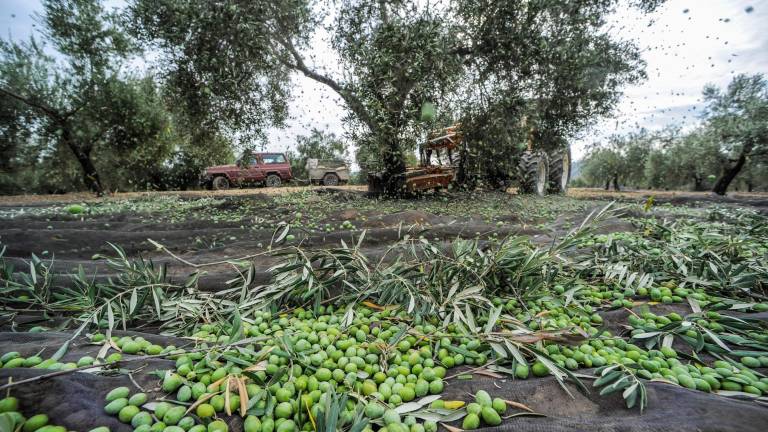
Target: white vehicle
327	172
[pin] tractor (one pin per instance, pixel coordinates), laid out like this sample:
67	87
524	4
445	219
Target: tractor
426	175
543	171
536	170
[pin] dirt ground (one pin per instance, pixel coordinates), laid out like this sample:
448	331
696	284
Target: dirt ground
20	200
90	197
203	227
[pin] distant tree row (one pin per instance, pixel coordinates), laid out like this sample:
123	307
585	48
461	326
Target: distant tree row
729	148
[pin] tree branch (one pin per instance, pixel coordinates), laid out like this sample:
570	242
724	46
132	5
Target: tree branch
352	101
45	109
383	11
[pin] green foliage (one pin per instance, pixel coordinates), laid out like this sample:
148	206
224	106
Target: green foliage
738	116
83	103
554	50
223	60
620	161
86	122
725	255
731	141
416	69
619	377
478	62
685	161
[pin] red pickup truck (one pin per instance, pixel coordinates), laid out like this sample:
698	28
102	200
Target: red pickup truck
269	169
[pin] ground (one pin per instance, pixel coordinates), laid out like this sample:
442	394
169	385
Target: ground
182	228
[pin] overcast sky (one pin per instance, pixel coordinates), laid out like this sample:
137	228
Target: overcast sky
686	44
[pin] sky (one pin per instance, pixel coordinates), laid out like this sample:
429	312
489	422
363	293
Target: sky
685	43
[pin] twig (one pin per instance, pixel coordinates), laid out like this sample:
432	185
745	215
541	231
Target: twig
471	370
130	376
191	264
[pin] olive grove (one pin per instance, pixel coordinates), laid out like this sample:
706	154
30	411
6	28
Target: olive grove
487	64
729	145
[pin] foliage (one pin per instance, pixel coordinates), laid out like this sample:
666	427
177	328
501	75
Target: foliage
557	51
621	160
500	304
222	61
738	116
230	62
430	281
80	118
729	142
726	258
618	377
117	300
72	101
687	160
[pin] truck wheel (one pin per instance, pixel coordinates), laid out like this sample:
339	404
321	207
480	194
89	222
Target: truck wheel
273	180
220	183
330	179
533	173
559	171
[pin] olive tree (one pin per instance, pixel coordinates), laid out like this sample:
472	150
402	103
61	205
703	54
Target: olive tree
552	61
738	116
317	145
79	100
541	72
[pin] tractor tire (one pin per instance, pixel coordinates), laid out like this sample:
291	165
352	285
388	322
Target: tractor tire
273	180
559	171
220	183
330	179
533	173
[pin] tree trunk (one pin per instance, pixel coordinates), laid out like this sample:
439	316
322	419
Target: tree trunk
616	183
608	183
730	173
462	173
393	175
83	156
698	183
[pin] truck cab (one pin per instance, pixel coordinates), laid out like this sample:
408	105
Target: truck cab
268	169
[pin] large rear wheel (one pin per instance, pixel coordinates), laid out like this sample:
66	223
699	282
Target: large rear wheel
533	173
559	171
220	183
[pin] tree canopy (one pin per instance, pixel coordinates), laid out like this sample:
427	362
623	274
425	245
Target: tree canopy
70	105
66	98
512	73
738	117
551	62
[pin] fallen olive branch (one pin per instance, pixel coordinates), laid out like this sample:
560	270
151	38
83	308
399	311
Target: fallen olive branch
162	248
122	361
